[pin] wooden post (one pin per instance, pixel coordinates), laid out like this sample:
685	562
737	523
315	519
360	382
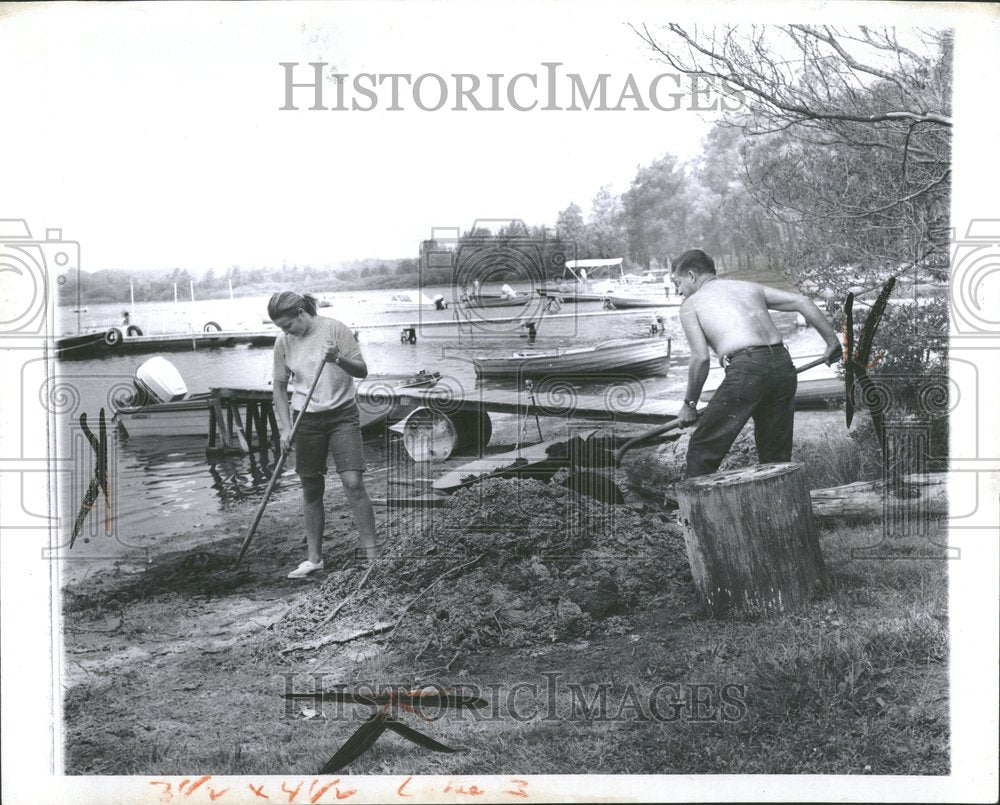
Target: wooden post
242	436
251	421
221	426
751	540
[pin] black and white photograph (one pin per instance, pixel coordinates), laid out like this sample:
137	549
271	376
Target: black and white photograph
500	402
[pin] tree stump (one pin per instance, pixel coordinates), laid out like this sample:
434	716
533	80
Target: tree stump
751	540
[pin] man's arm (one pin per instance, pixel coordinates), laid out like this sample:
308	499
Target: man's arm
798	303
697	363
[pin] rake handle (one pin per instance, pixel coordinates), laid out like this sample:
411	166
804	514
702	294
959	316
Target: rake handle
277	472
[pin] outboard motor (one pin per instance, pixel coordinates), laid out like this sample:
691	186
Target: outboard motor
158	381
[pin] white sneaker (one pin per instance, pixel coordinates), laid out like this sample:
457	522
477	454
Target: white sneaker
305	569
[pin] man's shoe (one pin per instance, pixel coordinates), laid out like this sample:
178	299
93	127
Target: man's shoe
305	569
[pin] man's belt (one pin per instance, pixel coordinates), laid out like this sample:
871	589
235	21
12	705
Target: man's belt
769	347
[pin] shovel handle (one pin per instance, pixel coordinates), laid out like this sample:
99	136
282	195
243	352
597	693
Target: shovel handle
642	437
674	424
810	365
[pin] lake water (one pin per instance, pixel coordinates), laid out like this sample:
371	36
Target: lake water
168	487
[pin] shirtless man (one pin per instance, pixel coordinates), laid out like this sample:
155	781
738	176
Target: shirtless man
730	317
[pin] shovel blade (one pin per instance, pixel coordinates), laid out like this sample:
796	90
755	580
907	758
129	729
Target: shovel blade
595	453
596	485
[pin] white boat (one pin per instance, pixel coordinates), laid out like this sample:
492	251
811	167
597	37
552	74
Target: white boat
414	300
162	406
596	280
187	417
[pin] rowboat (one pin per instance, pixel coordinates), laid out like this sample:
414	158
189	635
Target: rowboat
641	357
190	416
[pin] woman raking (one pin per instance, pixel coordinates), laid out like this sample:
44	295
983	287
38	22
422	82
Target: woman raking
330	421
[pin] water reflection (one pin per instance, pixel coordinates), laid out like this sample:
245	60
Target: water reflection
237	478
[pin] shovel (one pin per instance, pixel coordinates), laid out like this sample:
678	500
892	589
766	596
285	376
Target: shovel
597	484
277	471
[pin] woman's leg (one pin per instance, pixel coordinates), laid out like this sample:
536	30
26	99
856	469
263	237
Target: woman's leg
361	507
315	517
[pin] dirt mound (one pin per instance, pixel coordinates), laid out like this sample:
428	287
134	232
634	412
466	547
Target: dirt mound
506	563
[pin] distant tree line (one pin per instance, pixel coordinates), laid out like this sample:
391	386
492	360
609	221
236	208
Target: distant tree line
116	285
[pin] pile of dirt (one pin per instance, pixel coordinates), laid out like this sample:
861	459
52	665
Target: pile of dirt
506	563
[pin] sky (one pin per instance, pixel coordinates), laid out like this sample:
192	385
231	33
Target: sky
152	134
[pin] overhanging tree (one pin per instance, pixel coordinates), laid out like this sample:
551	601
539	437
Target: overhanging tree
848	147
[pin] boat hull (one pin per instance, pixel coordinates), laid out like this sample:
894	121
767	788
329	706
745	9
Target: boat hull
190	417
570	298
184	418
641	358
517	301
650	300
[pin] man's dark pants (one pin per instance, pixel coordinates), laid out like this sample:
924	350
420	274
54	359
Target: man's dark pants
760	383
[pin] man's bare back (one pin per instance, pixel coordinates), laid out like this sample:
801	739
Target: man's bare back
732	315
729	315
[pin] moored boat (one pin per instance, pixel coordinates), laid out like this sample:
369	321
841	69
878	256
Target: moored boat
624	301
165	411
484	300
602	281
641	357
406	301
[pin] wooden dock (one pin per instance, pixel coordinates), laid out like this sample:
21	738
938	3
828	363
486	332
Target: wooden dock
620	403
112	342
242	419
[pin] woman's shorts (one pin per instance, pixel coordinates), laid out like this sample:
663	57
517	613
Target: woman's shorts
337	431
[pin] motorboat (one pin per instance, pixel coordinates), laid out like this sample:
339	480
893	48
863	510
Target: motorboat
161	405
406	301
595	280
